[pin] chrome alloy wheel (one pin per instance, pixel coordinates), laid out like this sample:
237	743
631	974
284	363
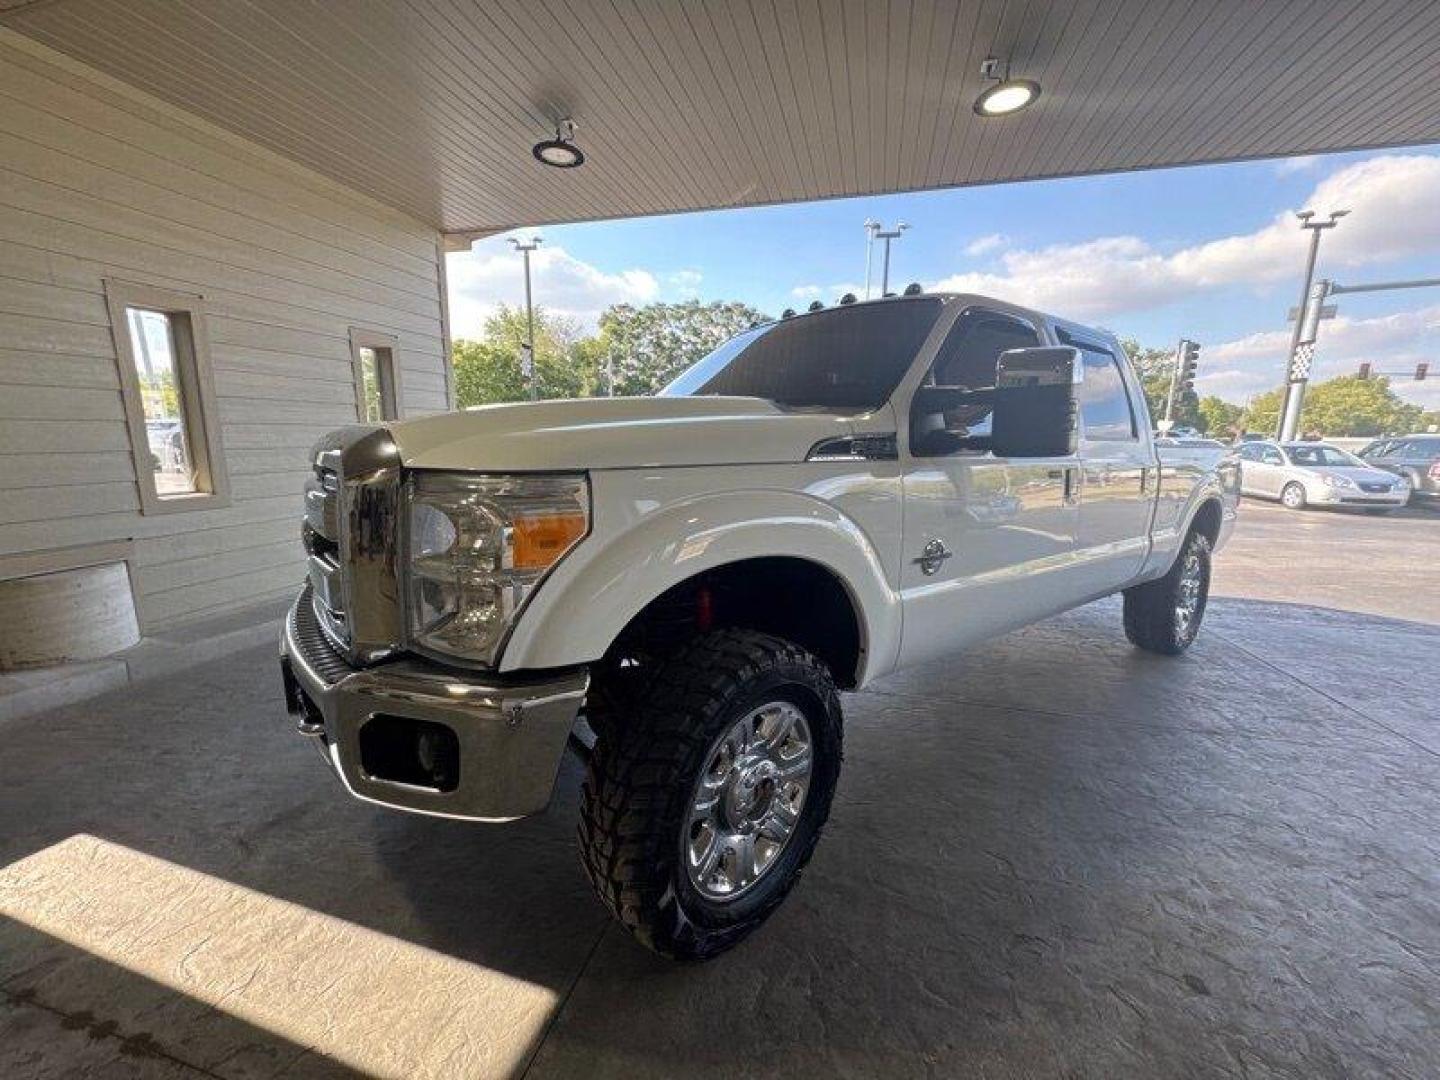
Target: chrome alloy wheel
747	800
1187	602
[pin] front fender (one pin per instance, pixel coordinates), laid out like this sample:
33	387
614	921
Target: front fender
636	553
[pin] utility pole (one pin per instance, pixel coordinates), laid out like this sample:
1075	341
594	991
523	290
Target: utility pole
527	351
1302	341
877	232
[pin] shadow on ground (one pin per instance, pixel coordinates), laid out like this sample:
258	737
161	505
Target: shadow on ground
1053	856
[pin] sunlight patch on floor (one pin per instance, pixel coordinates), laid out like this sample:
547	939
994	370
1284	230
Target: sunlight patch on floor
378	1004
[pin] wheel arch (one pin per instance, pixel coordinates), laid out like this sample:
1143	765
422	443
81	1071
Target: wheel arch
583	608
1207	519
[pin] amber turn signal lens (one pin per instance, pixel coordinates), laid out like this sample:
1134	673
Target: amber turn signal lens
539	539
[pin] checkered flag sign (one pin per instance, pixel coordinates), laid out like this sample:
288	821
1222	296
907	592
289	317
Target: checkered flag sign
1301	361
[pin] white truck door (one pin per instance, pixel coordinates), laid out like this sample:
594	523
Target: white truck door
1118	474
987	542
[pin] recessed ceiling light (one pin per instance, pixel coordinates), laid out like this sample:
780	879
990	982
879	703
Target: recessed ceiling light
561	151
1009	96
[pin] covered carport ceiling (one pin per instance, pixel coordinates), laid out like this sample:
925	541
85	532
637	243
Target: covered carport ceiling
431	106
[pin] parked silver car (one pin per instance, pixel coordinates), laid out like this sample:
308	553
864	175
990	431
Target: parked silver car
1302	474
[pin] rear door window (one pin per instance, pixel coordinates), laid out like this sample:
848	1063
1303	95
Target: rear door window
1105	411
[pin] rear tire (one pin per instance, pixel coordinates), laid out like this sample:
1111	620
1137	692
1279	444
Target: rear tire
1164	616
1293	496
643	838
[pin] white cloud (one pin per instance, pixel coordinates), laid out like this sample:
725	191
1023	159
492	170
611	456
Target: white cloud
685	282
1289	165
983	245
1342	337
829	294
1394	342
492	274
1395	212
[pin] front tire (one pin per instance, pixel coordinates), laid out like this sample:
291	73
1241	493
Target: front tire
1293	496
700	811
1164	616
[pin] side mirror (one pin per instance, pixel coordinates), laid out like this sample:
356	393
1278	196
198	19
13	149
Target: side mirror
1036	412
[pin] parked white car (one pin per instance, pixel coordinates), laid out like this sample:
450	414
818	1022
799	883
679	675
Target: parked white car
820	501
1301	474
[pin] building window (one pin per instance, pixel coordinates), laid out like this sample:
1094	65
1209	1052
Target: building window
377	375
163	354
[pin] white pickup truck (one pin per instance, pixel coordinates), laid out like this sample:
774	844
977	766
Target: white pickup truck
820	501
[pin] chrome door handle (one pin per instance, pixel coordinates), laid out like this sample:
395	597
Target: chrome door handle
931	556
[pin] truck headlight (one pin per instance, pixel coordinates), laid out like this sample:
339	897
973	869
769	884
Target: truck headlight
477	546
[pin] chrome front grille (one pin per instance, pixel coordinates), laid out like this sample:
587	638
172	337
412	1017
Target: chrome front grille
351	534
321	533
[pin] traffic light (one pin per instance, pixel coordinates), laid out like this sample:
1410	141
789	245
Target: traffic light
1364	371
1421	370
1189	361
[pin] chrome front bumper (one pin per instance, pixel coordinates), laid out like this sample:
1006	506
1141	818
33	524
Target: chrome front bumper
412	735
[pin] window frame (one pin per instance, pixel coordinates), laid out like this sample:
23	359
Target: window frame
392	396
1089	345
195	387
928	371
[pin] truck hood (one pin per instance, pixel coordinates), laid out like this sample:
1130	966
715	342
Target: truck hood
620	433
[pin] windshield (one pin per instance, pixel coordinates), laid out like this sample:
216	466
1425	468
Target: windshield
1323	456
848	357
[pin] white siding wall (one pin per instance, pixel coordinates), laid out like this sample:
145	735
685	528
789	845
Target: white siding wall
98	180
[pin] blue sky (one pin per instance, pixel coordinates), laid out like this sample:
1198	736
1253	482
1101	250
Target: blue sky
1207	252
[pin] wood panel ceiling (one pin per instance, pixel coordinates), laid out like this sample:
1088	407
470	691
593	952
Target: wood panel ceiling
431	106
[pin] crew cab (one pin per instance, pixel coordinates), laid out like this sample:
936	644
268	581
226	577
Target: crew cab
678	586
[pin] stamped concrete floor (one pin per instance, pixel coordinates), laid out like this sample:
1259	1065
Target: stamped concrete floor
1054	856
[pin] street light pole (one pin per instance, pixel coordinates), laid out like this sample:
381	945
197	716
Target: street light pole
1302	341
871	228
527	361
877	232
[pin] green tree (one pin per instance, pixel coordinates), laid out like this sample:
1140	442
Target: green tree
645	347
488	370
1155	368
1347	405
1263	412
1350	405
1219	417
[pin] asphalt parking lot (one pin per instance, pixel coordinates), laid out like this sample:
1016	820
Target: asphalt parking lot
1342	560
1056	856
